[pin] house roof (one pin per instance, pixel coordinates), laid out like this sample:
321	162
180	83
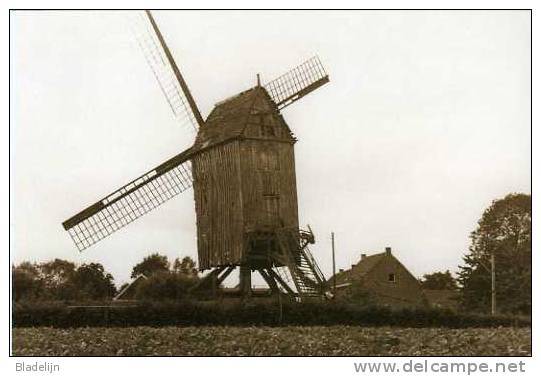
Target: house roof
125	291
229	118
363	267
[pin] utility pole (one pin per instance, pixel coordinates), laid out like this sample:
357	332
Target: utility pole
492	270
493	289
333	263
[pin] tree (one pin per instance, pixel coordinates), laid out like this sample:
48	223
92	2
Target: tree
26	266
61	280
187	266
57	278
56	272
150	265
439	281
176	265
93	283
165	286
504	230
26	284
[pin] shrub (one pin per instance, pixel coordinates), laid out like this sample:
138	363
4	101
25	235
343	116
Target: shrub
192	313
165	286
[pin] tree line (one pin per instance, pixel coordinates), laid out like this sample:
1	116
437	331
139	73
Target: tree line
61	280
504	230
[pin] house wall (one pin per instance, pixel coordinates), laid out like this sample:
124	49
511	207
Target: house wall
404	291
373	287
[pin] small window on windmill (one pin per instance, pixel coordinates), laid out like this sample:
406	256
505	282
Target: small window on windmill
257	119
269	183
267	128
267	131
391	277
267	159
274	162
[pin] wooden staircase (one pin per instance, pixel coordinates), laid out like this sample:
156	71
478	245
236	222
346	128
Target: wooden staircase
293	252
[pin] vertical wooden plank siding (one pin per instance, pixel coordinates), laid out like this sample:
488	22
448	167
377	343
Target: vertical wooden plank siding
245	184
217	201
255	184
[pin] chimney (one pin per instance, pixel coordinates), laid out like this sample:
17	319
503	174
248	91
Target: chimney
387	251
363	256
258	80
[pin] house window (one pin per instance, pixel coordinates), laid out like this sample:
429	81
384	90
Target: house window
391	277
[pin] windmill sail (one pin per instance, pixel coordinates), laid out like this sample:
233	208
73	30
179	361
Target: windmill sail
131	201
297	83
165	69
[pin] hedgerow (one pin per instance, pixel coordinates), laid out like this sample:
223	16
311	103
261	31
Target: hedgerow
270	313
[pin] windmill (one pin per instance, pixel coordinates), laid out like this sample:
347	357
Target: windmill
242	169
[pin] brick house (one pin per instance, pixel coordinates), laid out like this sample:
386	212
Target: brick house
379	279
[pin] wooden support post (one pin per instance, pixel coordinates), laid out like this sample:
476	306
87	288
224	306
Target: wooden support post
281	282
270	281
224	275
245	281
209	278
213	279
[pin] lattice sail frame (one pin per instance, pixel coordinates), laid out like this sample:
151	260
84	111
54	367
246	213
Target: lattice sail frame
173	176
130	202
156	59
297	83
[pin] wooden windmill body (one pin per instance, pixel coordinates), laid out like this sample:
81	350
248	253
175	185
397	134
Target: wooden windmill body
244	178
242	167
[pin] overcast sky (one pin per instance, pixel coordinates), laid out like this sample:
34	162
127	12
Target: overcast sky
426	120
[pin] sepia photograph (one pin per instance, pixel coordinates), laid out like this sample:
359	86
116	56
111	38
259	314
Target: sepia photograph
271	183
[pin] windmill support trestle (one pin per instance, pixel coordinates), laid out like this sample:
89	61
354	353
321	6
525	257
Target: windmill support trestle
283	260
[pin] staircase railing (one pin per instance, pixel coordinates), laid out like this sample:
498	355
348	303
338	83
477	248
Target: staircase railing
294	253
317	271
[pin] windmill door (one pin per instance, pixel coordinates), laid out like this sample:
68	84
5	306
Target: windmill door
272	209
